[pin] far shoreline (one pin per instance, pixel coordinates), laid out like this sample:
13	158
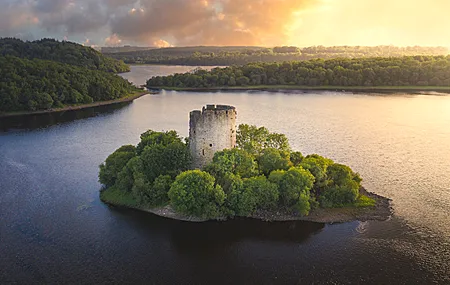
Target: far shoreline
382	211
287	88
125	99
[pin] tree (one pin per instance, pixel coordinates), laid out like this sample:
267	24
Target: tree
253	139
115	162
294	182
151	137
317	165
264	192
296	158
194	193
235	161
158	159
342	186
272	159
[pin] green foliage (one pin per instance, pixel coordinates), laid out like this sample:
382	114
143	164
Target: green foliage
151	137
235	161
35	84
273	159
252	194
159	159
254	140
125	178
230	185
263	192
160	188
372	71
117	197
317	165
296	158
364	201
64	52
227	56
293	184
109	170
194	193
342	186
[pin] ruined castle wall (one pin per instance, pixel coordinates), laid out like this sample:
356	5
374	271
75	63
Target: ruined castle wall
210	130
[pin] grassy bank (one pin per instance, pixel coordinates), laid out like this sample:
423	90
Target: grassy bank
369	206
375	89
128	98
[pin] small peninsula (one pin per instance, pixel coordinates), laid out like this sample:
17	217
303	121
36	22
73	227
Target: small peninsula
223	171
50	76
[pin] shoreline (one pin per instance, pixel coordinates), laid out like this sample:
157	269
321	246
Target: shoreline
128	98
287	88
382	211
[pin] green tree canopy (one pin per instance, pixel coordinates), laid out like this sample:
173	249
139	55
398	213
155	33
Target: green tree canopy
235	161
273	159
109	170
194	193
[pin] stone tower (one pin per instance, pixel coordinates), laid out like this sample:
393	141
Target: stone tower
210	130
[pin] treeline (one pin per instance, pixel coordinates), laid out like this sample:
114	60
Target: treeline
392	71
29	85
261	174
224	56
64	52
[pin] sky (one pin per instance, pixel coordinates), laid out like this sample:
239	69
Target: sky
229	22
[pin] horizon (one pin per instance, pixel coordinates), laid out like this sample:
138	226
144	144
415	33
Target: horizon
263	23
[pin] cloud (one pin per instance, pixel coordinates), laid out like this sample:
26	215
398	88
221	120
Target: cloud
113	41
231	22
213	22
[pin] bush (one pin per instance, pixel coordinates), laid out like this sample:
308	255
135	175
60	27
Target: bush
109	170
194	193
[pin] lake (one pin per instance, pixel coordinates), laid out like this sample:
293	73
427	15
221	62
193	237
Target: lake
54	229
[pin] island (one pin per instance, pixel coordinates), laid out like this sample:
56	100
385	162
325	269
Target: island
372	74
223	171
50	76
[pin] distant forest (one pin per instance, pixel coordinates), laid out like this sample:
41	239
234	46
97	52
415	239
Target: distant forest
29	81
379	71
224	56
64	52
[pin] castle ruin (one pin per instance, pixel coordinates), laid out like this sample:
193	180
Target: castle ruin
211	130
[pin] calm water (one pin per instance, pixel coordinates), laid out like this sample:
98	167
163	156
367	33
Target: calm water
54	229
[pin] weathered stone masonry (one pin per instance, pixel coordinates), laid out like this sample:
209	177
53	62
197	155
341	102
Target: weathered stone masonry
210	130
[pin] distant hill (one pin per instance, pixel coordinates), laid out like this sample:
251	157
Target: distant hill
49	74
64	52
124	49
230	55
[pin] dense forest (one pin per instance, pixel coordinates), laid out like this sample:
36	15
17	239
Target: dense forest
48	74
29	85
64	52
262	174
224	56
392	71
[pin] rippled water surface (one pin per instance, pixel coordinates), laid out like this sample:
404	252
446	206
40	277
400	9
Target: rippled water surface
54	229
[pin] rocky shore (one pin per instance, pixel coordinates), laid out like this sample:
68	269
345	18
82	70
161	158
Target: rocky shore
381	211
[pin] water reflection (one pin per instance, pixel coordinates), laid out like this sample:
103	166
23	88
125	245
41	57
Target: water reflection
38	121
